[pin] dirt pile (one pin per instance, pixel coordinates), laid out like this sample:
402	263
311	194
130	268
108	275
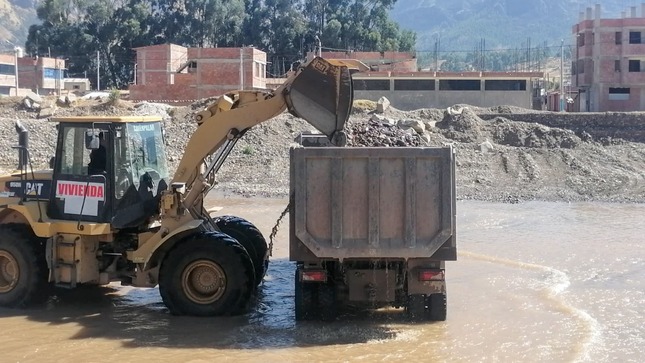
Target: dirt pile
498	159
380	134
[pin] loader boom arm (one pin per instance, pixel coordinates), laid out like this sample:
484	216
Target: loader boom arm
319	92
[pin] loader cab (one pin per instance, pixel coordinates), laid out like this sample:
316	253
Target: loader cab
108	170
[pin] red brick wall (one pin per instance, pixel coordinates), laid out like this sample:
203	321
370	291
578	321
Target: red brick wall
217	72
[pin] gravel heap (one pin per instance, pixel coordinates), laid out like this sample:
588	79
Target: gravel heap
498	159
381	134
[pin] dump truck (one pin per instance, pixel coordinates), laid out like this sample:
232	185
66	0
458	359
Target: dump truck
371	227
108	210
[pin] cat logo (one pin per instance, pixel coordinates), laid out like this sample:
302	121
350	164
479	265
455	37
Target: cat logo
34	189
31	189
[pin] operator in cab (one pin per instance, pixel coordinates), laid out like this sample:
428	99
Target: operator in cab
98	157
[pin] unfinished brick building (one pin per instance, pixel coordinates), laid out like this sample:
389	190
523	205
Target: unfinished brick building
172	73
608	69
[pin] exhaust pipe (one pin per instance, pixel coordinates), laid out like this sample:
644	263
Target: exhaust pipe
23	145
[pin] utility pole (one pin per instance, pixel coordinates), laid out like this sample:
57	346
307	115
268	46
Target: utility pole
98	71
57	75
562	75
15	51
242	68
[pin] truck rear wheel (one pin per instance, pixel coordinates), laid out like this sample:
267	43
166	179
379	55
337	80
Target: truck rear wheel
208	275
23	269
251	238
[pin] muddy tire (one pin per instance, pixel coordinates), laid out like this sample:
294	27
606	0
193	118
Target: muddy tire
207	275
437	305
304	300
23	268
250	238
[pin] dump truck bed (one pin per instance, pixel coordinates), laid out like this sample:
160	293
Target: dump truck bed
372	203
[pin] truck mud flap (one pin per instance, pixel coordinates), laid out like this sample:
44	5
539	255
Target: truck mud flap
322	94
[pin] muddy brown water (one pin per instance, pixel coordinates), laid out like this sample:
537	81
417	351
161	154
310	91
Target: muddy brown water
535	282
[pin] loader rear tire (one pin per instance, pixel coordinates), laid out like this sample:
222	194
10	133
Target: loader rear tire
23	268
251	238
209	274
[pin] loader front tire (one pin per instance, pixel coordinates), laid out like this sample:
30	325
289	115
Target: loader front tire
250	238
23	268
208	275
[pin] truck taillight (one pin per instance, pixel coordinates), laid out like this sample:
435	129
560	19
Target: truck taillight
431	275
314	276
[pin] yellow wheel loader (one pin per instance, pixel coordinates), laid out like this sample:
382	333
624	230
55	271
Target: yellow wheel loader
110	211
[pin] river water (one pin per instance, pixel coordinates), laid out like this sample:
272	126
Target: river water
534	282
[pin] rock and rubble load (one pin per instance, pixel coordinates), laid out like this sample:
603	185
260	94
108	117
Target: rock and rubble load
498	158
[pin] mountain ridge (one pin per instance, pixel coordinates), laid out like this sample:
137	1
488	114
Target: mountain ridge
462	24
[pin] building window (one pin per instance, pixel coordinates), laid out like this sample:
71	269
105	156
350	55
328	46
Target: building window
581	39
460	85
619	37
634	66
580	67
505	85
372	84
618	94
617	66
634	37
8	69
414	84
76	86
53	73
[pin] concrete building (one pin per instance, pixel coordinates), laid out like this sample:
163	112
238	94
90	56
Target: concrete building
42	75
170	72
76	84
395	75
414	90
608	68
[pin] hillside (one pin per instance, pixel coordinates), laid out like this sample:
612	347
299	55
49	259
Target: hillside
15	18
460	24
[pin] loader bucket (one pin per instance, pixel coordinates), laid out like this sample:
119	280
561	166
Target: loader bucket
322	95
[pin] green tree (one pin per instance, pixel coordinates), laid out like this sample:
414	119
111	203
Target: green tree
356	25
78	29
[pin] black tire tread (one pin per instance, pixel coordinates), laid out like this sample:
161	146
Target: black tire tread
232	257
32	248
250	238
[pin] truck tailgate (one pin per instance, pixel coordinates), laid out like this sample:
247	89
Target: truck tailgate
371	203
